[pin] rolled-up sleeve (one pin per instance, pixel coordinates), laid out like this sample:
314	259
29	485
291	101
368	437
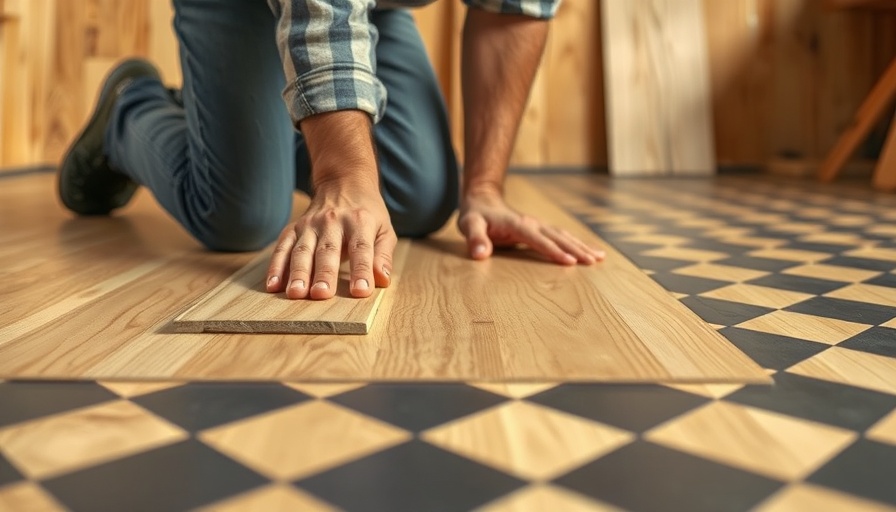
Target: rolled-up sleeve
327	48
542	9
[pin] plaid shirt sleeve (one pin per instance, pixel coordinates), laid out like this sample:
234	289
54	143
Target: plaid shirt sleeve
327	48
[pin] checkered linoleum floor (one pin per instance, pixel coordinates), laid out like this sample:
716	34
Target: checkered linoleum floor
799	276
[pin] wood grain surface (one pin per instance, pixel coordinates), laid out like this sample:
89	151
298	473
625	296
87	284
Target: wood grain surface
659	102
241	304
95	298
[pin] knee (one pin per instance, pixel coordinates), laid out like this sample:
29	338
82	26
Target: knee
243	228
426	195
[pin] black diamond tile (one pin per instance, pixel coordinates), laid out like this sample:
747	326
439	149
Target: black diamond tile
772	350
411	476
862	263
657	264
630	407
420	406
754	263
723	312
826	402
877	340
8	473
798	283
832	249
706	244
866	469
644	476
849	310
22	401
202	405
888	280
181	476
687	284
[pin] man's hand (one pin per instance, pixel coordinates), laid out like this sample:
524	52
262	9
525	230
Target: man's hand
487	221
347	216
341	221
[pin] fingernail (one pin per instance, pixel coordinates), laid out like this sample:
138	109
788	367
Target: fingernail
273	280
362	284
386	271
321	285
298	285
570	259
479	250
601	254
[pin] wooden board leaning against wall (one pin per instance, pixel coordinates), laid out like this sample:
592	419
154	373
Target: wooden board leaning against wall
786	74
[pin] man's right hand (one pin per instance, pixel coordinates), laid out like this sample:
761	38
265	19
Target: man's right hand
343	220
347	216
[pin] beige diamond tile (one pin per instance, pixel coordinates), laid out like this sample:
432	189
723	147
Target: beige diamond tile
514	390
891	324
754	241
884	430
297	441
129	389
764	442
271	498
656	239
874	253
757	295
524	439
707	390
852	367
701	222
682	253
834	238
797	227
726	232
27	497
815	213
806	327
626	228
85	437
720	272
832	272
882	229
541	498
324	390
811	498
790	255
851	220
866	293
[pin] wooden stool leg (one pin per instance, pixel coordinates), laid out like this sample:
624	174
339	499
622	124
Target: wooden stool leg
885	172
872	108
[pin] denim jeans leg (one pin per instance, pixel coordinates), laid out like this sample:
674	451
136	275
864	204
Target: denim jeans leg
418	169
222	163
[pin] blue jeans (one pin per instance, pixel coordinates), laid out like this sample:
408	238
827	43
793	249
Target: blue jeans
224	158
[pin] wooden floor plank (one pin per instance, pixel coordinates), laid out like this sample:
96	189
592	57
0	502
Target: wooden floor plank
514	318
241	304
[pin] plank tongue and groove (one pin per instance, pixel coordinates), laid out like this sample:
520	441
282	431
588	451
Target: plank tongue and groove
659	105
241	305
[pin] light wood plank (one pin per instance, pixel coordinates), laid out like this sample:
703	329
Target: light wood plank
513	318
659	115
241	304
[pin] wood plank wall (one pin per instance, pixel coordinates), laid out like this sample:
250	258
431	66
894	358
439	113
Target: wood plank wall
786	74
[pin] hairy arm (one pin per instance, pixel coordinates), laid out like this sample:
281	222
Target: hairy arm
501	53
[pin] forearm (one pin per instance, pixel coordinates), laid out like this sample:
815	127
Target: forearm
501	54
342	149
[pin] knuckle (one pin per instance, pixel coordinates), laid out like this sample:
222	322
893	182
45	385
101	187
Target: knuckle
327	246
302	249
326	273
361	267
360	245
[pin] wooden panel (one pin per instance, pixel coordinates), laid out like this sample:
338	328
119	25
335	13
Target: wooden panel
98	300
240	304
659	117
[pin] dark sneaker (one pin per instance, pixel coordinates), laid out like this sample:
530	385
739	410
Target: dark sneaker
87	184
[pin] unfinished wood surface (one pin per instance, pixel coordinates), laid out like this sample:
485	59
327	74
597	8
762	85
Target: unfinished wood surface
659	105
241	304
94	299
874	106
